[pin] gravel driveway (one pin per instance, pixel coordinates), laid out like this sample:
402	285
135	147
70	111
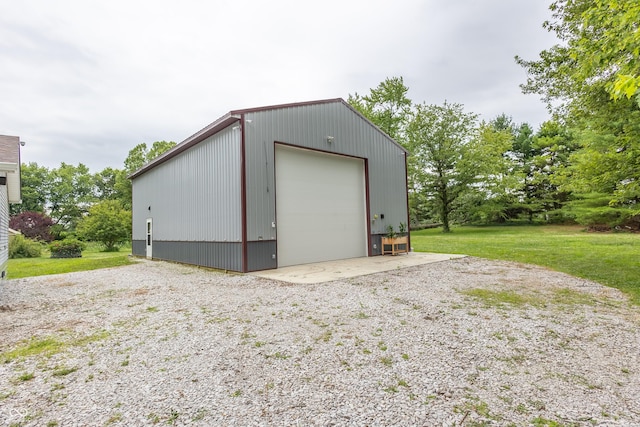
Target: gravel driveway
462	342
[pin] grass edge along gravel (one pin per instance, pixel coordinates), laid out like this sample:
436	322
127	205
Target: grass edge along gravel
607	258
92	258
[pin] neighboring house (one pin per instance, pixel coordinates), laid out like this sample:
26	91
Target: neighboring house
9	191
269	187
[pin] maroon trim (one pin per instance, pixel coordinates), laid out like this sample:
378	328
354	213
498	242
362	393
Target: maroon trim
317	150
232	117
243	186
289	105
367	206
406	192
194	139
275	198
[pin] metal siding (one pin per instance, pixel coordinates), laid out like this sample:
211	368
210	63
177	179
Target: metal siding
194	196
308	126
221	255
4	231
138	247
259	255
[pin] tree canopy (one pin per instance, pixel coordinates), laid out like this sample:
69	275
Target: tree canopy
591	81
66	194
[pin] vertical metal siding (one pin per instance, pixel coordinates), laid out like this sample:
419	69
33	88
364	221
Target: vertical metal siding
308	126
138	247
194	196
222	255
259	255
4	230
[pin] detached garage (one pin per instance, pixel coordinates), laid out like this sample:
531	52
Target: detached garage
269	187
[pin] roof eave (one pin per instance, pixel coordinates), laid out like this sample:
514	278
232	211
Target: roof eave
194	139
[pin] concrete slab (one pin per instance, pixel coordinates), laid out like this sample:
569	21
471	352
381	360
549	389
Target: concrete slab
345	268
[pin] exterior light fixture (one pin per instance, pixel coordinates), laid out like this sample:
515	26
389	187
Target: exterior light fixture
330	139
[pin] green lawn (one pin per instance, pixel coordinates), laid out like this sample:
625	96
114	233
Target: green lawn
92	258
612	259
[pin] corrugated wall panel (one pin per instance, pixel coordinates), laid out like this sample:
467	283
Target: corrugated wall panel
4	231
308	126
194	196
260	255
138	248
222	255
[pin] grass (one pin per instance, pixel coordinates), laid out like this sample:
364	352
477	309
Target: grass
607	258
92	259
48	346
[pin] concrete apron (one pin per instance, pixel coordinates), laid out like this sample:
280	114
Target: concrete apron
344	268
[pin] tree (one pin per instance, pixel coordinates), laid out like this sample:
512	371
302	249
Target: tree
495	193
71	192
34	225
108	223
141	154
138	157
616	48
588	80
438	139
34	180
600	48
387	106
554	144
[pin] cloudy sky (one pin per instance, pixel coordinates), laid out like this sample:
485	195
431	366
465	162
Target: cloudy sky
84	82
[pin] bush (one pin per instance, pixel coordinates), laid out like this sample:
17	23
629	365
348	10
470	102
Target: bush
107	223
67	248
21	247
595	212
34	225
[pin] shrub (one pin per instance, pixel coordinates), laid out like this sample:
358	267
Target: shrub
34	225
595	212
67	248
107	223
21	247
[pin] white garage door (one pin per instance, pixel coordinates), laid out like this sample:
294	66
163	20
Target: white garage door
320	206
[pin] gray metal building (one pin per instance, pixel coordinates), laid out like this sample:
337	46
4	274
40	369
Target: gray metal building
268	187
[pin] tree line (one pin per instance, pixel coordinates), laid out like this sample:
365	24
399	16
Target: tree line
71	201
581	166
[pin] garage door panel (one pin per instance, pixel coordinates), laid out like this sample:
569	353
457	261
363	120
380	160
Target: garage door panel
320	206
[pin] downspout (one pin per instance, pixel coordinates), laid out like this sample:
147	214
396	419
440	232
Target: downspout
367	206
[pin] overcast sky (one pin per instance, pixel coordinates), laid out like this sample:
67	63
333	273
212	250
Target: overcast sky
84	81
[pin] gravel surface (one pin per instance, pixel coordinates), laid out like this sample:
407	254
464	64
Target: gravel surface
463	342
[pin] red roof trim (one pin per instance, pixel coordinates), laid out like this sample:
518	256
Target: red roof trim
194	139
234	116
290	105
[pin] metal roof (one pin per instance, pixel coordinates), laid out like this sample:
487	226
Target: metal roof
234	116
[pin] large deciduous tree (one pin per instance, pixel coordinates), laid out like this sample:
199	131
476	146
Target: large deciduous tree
71	192
138	156
592	79
439	139
387	106
142	154
34	180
